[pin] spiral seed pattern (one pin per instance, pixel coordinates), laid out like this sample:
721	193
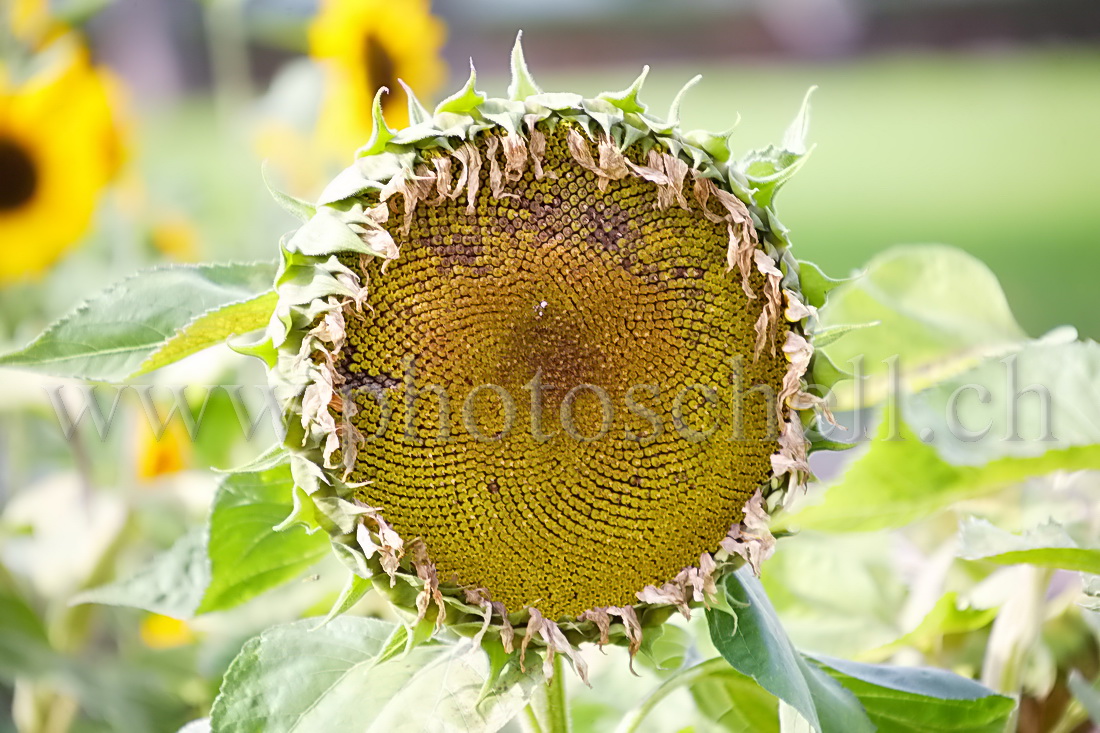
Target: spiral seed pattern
558	391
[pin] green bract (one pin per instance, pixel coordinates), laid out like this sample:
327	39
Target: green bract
498	242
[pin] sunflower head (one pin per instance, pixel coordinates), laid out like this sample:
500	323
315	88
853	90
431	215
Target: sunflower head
543	359
365	45
59	147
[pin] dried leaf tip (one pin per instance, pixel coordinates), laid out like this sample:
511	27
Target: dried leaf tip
751	538
556	643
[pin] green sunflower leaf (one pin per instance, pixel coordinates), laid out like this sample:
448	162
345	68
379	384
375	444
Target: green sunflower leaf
171	584
918	699
1046	546
299	677
735	702
939	310
210	329
1001	422
247	557
753	641
152	319
235	558
900	479
839	695
1041	398
25	649
946	617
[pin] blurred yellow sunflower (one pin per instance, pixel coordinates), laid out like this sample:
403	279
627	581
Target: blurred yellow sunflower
162	632
59	147
29	20
368	44
162	456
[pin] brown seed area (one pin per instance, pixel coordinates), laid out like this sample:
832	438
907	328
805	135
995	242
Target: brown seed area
18	175
557	391
381	70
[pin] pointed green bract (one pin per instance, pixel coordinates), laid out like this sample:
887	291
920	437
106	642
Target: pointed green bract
354	589
816	285
522	85
418	113
297	208
825	336
674	109
825	375
381	134
627	99
465	100
794	139
769	169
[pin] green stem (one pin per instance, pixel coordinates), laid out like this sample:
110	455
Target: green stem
530	720
557	704
683	678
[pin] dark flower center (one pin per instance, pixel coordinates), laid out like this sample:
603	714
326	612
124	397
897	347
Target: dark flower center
381	70
18	175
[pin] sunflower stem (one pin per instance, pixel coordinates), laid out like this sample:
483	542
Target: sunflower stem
683	678
531	720
557	704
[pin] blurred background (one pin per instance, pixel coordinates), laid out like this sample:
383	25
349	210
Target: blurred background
132	133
